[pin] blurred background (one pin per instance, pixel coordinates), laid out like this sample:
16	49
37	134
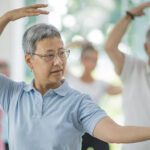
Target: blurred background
77	20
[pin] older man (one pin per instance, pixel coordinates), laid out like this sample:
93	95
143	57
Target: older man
135	74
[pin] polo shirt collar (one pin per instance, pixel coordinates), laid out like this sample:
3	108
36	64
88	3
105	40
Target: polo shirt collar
62	90
29	87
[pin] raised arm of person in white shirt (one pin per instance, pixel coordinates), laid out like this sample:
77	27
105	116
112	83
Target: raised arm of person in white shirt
114	38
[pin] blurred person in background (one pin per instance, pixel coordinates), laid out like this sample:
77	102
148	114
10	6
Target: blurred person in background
4	69
135	75
86	83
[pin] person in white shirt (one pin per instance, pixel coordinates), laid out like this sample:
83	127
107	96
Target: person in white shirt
135	75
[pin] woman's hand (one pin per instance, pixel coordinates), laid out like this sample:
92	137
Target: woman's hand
32	10
139	10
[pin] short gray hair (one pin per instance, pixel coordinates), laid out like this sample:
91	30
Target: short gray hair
37	33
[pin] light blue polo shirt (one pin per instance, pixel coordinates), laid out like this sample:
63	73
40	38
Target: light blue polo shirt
55	121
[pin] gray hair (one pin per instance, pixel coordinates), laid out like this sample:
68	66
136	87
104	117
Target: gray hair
37	33
148	36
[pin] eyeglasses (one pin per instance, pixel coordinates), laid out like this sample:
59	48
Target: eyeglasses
62	54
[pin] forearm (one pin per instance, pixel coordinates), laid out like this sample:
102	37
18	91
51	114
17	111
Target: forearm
117	33
114	90
4	20
132	134
112	43
15	14
109	131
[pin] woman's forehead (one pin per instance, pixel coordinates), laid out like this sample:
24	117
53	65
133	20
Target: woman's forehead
50	44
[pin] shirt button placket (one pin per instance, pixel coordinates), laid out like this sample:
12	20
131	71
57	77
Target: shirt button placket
39	103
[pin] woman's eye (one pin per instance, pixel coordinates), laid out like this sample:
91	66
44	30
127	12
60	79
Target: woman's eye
51	55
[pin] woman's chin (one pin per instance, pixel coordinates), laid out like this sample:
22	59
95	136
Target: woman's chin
55	80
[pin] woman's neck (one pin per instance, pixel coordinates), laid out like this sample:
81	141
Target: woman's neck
43	88
87	77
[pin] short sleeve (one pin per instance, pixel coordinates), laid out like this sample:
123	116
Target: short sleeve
89	114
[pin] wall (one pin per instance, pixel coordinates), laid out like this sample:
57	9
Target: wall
10	41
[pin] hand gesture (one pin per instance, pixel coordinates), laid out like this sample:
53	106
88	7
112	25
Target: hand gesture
32	10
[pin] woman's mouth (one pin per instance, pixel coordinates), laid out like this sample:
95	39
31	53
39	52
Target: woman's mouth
56	72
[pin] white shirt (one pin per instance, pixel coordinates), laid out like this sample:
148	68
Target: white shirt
136	97
95	89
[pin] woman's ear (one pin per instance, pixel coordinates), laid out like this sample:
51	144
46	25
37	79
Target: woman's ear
28	59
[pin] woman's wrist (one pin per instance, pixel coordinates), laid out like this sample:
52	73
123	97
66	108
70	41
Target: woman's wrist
131	15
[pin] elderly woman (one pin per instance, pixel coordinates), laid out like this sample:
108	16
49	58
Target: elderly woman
47	114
